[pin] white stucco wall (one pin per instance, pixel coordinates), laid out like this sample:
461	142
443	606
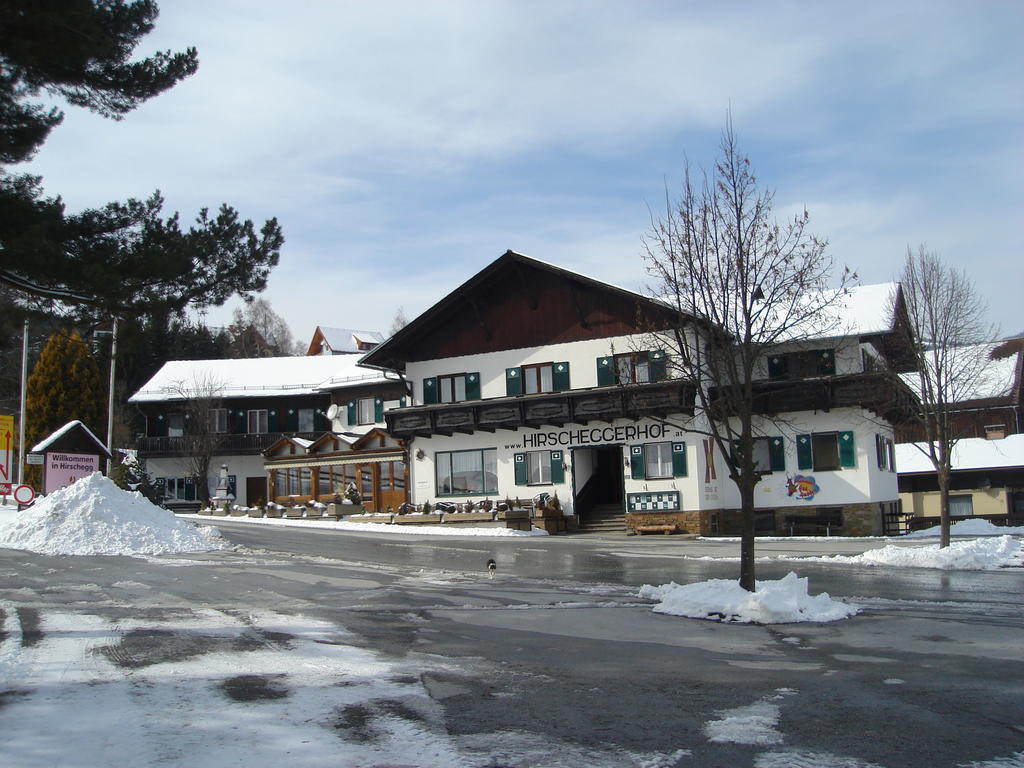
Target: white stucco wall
241	467
701	488
581	355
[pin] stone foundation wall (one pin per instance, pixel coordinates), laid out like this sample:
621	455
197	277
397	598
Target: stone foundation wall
857	520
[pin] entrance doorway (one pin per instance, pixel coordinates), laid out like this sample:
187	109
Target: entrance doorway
597	478
255	491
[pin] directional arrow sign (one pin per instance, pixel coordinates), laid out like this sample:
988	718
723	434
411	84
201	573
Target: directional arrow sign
6	430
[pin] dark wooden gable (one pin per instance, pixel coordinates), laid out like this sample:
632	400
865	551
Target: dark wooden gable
518	302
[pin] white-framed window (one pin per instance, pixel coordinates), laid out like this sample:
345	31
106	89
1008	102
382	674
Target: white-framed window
175	424
538	378
632	368
657	460
762	455
218	420
538	467
961	505
451	389
825	450
306	420
258	422
886	452
459	473
365	411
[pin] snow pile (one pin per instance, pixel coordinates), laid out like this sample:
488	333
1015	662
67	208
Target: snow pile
774	602
973	527
95	517
971	555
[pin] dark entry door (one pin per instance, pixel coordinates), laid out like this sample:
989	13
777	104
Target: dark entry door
255	491
608	474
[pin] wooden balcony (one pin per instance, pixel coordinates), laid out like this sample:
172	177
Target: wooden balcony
229	444
555	409
881	393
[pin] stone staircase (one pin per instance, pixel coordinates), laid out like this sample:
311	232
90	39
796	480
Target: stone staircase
604	518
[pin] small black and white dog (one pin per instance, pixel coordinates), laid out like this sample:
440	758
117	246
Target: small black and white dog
491	568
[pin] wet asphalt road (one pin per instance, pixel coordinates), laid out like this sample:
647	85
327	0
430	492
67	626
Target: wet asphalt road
557	645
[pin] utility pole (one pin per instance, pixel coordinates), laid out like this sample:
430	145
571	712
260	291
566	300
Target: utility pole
21	421
110	400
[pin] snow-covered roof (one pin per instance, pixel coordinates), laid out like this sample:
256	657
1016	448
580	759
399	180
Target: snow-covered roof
858	310
348	339
968	453
41	446
255	377
993	378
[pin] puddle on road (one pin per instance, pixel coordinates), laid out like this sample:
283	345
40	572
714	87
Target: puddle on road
145	647
255	687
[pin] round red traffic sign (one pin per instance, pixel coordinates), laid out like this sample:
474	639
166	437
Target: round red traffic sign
23	494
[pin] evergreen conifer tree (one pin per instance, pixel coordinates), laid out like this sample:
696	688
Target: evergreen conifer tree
64	385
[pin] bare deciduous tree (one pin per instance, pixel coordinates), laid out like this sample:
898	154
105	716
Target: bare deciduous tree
256	330
719	255
205	427
950	330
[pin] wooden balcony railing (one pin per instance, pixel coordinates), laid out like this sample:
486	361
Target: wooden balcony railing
247	444
879	392
580	406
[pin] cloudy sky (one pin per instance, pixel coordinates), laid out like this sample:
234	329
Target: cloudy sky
404	145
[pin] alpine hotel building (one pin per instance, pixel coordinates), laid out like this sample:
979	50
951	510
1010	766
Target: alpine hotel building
531	379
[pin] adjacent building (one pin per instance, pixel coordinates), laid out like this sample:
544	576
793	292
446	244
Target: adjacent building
531	380
987	481
234	410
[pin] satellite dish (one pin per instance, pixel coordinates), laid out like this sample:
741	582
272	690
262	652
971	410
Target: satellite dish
332	411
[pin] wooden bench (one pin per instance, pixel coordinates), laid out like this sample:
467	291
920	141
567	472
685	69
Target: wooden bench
662	528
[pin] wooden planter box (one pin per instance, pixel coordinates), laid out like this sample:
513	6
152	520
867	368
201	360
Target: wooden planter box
255	512
417	519
382	519
272	512
468	517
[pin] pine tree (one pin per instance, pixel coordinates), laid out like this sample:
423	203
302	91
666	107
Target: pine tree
64	385
125	257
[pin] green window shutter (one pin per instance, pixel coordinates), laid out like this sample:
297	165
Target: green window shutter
777	454
678	459
430	391
847	449
560	377
378	409
513	381
291	420
241	422
190	489
158	425
827	362
778	367
804	457
401	402
605	371
352	417
320	421
272	420
472	386
636	462
657	364
521	473
557	472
